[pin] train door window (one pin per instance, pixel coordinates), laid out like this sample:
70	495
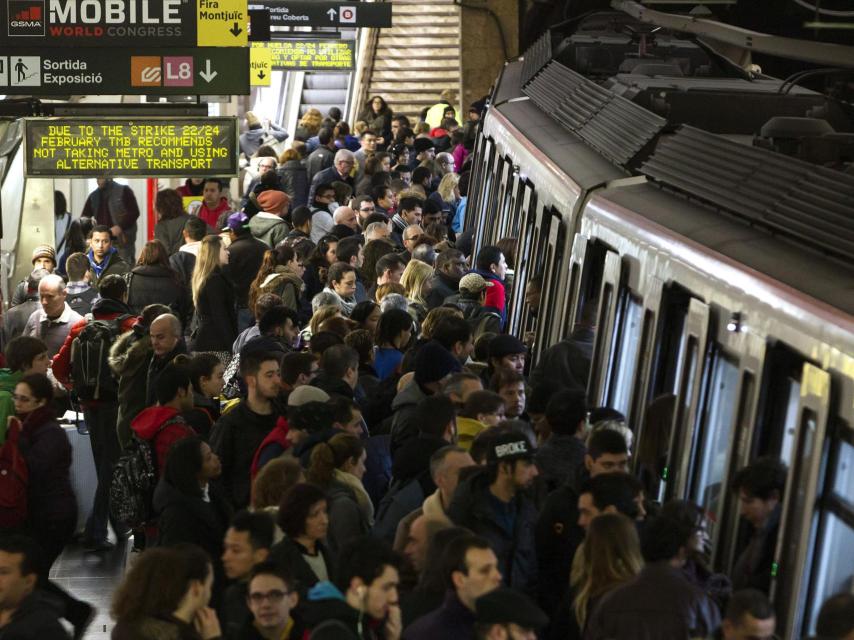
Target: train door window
790	423
591	284
714	435
669	343
777	418
624	359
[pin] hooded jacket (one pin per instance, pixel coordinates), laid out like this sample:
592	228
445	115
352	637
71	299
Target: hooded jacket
129	358
162	425
286	284
473	508
235	438
269	228
327	608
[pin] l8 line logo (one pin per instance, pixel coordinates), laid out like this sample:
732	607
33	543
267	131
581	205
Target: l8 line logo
26	18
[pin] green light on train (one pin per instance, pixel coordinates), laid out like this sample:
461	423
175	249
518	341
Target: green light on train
774	568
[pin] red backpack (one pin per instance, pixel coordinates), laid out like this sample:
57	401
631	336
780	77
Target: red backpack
14	476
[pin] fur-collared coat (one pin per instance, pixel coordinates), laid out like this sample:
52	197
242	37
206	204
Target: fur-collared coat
129	360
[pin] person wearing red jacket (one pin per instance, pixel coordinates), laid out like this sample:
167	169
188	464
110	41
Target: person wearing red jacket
492	266
163	424
101	415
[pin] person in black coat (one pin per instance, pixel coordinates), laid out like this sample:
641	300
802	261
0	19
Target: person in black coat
304	520
51	505
153	281
245	255
189	504
293	177
214	326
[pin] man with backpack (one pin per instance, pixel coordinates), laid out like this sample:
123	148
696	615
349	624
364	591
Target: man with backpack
81	365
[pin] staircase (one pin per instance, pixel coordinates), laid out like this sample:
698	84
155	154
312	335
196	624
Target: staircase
323	91
417	57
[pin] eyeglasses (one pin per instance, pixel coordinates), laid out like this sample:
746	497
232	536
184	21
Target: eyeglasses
273	596
19	398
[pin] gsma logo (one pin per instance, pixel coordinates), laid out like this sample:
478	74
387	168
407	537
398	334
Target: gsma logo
26	18
145	71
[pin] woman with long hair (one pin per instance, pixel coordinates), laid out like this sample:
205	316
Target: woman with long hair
308	125
323	257
394	332
166	594
416	282
377	115
206	373
304	519
280	273
447	195
190	507
171	218
367	314
293	177
610	557
214	326
153	281
337	466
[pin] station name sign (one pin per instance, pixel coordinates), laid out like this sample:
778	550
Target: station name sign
311	55
150	147
326	13
122	23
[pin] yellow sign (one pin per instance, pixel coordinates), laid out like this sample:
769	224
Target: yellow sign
222	23
260	66
311	55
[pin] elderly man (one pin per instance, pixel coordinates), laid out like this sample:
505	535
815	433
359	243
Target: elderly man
377	231
166	343
340	171
54	320
346	216
410	236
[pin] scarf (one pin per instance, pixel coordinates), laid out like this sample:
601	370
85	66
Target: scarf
355	485
346	306
99	268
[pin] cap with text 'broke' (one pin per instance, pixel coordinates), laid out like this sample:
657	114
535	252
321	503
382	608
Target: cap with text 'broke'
513	445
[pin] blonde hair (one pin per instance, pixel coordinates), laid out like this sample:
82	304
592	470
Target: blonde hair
311	121
389	287
447	185
435	317
421	127
206	263
328	456
611	556
360	127
322	315
413	279
288	155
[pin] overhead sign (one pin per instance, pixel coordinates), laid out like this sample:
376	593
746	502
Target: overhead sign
311	55
260	66
123	23
322	13
44	72
151	147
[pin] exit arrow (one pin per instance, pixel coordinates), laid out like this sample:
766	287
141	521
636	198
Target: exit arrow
261	75
207	74
331	13
236	30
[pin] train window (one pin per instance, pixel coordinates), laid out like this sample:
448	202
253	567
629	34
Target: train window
625	356
674	309
833	565
712	444
790	424
777	417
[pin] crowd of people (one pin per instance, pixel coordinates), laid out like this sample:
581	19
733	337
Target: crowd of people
337	437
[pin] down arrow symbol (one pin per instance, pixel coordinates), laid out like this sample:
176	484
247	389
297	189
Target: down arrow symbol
207	74
261	75
236	30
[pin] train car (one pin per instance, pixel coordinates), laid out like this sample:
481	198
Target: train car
682	206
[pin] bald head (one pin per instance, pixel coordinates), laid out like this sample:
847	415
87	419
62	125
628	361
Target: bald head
346	216
165	332
52	295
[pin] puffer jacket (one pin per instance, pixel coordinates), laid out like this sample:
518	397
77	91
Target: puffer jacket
516	553
293	177
129	359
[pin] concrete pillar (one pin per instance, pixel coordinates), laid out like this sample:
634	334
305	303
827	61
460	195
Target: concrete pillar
483	54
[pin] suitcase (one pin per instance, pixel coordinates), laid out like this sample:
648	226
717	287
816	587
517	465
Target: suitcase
84	479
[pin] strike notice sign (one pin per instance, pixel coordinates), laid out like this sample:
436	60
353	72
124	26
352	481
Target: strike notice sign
311	55
151	147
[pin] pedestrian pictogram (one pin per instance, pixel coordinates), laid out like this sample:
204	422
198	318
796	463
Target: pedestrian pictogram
25	71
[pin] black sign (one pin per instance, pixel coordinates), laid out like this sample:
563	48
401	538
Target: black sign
198	71
322	13
150	147
311	55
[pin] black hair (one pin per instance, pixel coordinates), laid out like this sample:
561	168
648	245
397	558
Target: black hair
100	228
338	359
364	558
614	489
324	136
202	365
275	317
32	555
300	216
836	617
338	270
761	479
566	410
348	248
748	601
409	203
216	181
258	525
21	351
391	324
270	568
250	363
488	256
342	408
113	287
183	464
606	441
482	402
311	417
454	555
362	311
40	386
420	174
665	535
388	261
324	340
168	382
295	364
451	330
433	414
195	228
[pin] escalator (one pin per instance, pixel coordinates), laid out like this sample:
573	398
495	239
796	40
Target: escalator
322	91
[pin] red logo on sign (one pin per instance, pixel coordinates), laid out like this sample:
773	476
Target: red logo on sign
145	71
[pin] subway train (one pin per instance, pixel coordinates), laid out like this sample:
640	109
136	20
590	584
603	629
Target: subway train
702	217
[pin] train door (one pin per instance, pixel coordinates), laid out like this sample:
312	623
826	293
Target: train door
605	324
547	260
517	320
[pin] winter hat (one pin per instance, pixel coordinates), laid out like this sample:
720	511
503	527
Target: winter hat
474	283
506	345
273	201
434	362
252	120
422	144
44	251
306	393
511	445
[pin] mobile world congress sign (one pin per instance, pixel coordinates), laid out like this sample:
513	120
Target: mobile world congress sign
123	23
150	147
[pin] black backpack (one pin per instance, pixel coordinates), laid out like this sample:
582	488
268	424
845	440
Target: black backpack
134	479
90	371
